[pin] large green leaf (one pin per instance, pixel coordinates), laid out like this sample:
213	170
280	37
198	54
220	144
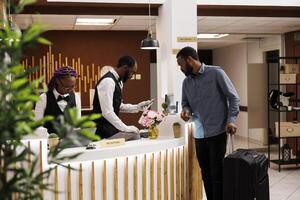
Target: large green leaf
18	83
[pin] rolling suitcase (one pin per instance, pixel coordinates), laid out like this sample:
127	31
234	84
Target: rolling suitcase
245	176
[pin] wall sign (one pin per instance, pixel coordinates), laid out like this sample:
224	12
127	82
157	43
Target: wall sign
186	39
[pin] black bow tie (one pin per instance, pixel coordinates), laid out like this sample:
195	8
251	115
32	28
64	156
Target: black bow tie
59	98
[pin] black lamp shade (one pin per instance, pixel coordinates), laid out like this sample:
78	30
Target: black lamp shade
149	43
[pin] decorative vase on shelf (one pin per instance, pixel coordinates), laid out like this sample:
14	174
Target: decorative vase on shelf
177	130
286	152
153	132
165	112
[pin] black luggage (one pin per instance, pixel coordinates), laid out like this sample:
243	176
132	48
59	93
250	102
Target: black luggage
245	176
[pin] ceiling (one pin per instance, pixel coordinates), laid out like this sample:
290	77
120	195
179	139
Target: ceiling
238	27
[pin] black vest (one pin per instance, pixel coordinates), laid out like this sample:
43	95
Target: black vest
53	109
104	128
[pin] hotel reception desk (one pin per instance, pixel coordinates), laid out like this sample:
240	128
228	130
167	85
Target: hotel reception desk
145	169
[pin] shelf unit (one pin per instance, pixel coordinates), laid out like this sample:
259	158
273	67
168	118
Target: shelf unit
272	138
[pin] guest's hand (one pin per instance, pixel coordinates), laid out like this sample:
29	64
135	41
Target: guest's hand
231	128
185	114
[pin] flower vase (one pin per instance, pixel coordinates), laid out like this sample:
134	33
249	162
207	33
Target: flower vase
153	132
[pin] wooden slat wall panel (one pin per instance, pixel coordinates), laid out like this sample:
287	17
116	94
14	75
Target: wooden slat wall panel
49	62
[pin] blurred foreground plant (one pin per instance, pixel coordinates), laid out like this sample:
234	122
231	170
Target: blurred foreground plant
18	177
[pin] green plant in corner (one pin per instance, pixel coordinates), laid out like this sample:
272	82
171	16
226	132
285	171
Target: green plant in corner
18	177
53	135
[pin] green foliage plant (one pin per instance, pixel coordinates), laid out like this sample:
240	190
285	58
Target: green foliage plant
53	135
18	177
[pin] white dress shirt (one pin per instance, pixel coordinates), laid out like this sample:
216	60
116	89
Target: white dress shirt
106	90
42	103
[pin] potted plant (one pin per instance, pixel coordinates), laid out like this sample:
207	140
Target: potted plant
53	140
177	129
165	106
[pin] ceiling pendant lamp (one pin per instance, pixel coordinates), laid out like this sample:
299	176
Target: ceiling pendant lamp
149	43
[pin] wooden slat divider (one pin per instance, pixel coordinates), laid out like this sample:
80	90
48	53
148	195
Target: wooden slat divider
144	178
135	179
152	177
104	187
80	182
177	174
69	184
116	188
93	181
172	174
166	181
126	179
56	183
159	176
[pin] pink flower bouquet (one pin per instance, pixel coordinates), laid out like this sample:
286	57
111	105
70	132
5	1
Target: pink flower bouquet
151	118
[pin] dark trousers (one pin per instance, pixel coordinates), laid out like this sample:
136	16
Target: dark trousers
210	153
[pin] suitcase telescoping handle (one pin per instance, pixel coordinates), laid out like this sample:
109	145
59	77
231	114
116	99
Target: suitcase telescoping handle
230	143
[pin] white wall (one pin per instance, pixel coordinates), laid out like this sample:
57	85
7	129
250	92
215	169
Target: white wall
233	60
175	19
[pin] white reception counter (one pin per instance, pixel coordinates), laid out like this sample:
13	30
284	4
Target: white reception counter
138	170
130	148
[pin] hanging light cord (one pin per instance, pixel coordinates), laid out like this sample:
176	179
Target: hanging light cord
149	20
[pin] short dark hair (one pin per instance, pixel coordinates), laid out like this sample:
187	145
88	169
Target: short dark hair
186	52
126	60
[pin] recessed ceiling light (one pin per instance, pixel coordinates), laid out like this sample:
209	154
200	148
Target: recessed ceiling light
95	21
211	35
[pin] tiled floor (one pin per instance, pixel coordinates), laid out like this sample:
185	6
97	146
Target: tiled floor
284	185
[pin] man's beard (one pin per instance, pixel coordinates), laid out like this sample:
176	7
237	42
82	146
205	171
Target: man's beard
189	70
126	76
